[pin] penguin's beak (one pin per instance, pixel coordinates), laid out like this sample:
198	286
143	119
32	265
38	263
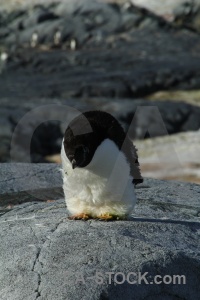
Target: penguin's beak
74	164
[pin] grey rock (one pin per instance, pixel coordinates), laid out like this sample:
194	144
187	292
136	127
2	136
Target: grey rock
21	177
169	7
37	15
112	38
122	53
21	183
141	118
104	66
156	118
46	256
183	149
130	20
4	32
182	13
87	17
5	136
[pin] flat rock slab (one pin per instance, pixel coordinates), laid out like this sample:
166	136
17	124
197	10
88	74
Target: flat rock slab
17	177
44	255
21	183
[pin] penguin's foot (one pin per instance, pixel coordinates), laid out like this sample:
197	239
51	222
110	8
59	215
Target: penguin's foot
108	217
81	216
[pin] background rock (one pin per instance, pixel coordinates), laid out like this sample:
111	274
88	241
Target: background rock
191	96
141	118
114	56
174	157
78	20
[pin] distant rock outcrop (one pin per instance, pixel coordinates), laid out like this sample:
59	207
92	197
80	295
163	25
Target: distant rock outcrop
92	55
174	157
147	119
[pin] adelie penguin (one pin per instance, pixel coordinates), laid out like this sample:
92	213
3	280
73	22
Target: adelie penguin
100	168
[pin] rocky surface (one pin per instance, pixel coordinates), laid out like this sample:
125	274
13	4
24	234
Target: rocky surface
21	183
116	67
103	49
174	157
109	76
44	125
102	33
16	177
168	7
59	23
46	256
191	96
99	55
182	13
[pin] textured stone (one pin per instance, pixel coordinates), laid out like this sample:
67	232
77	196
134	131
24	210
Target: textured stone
43	255
108	56
46	127
16	177
174	157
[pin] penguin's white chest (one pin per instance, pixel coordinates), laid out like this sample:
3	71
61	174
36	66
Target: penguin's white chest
102	187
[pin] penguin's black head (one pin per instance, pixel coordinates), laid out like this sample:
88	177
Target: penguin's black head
79	150
81	140
78	157
86	132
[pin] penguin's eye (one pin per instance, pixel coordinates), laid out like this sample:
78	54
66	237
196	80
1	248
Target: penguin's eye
81	150
85	149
